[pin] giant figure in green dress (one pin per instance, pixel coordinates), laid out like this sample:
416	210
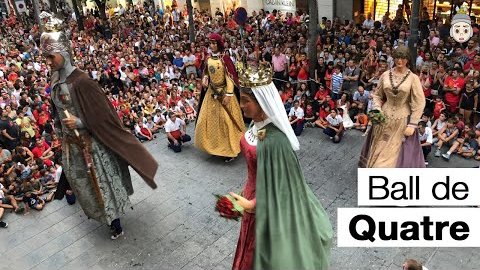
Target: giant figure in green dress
284	225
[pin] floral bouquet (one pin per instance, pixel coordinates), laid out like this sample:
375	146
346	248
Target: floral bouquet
376	117
228	207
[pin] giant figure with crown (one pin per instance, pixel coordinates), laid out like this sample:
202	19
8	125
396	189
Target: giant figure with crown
220	124
96	149
284	225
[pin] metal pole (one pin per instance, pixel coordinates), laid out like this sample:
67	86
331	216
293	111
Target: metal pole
334	6
374	9
191	26
413	39
470	8
434	10
312	42
452	8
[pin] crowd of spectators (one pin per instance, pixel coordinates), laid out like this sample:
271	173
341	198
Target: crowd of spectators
143	59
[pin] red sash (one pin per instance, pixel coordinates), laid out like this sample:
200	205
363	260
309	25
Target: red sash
176	134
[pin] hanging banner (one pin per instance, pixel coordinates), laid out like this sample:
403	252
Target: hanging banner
283	5
21	7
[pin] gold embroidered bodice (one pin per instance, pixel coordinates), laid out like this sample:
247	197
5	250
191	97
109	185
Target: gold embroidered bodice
219	80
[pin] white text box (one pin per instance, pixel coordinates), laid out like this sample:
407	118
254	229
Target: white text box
415	187
355	227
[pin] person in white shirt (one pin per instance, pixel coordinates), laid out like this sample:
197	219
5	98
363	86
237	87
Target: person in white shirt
7	201
368	23
123	75
154	128
335	127
189	62
295	117
425	135
142	132
176	132
159	118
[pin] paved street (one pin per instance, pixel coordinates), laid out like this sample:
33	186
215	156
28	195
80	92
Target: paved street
175	226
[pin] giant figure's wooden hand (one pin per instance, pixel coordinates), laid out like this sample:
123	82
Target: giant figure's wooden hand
409	131
70	122
226	100
248	205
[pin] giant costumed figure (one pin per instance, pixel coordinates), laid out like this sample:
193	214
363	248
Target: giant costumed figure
398	103
284	225
96	149
220	124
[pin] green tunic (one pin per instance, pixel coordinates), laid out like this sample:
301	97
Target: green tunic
293	230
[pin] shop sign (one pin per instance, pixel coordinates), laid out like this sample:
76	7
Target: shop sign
283	5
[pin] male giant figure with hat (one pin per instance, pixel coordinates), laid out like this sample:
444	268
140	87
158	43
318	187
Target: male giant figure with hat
220	123
96	149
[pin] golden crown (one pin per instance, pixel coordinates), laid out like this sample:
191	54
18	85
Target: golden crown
463	9
250	76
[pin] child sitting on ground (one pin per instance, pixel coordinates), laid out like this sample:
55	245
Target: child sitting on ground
361	121
31	198
322	116
309	116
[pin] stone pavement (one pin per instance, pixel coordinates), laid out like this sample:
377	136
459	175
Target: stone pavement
175	226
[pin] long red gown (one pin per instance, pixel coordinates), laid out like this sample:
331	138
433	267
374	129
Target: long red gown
246	242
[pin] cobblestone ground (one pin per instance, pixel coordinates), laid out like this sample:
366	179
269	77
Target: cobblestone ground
175	226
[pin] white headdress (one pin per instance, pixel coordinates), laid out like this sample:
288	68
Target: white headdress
266	93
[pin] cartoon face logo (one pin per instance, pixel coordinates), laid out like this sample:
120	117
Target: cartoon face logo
461	31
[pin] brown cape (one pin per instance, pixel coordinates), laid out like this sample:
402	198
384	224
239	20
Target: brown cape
100	118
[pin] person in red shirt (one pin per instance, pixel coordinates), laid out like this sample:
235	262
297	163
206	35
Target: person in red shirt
199	57
453	87
309	116
303	71
42	119
472	64
43	151
321	121
13	76
321	94
330	102
287	92
114	102
426	81
471	49
439	107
